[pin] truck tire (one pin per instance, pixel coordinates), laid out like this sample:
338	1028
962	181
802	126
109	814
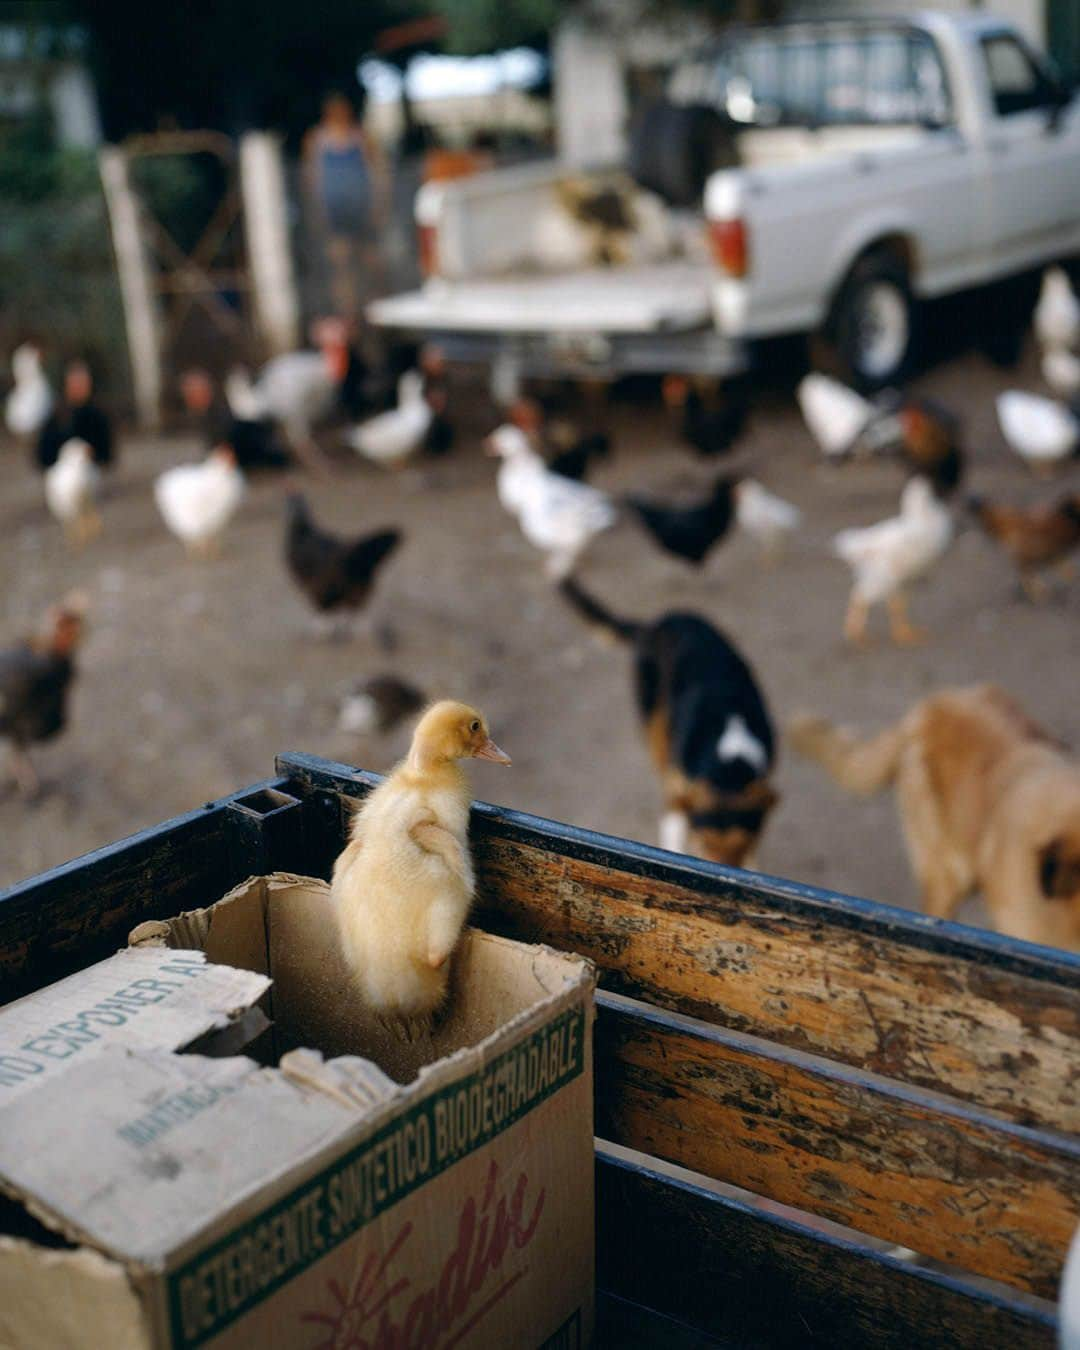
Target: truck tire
871	326
674	148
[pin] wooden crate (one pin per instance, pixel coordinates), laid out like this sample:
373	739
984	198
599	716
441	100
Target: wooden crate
789	1081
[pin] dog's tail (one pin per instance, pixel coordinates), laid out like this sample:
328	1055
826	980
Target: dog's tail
596	616
863	767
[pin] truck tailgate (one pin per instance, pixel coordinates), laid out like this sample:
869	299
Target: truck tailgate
658	297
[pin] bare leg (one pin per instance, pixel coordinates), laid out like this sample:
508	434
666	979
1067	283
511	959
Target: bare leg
855	620
904	634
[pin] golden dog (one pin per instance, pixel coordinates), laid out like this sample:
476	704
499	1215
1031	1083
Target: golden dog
988	802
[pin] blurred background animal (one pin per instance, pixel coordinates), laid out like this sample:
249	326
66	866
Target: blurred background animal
707	727
376	705
887	557
35	678
1036	538
197	501
711	425
988	801
404	883
1043	432
254	440
72	485
76	417
335	574
31	400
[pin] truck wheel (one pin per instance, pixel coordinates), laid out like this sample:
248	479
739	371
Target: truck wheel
871	327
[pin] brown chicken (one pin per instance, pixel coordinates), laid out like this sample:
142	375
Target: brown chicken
931	443
1034	537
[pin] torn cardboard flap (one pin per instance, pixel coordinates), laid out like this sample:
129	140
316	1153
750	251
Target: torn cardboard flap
170	1000
134	1151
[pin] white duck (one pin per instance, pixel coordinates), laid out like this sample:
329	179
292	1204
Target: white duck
557	515
765	517
1061	371
836	415
1057	314
886	557
1038	429
71	489
197	501
31	401
392	437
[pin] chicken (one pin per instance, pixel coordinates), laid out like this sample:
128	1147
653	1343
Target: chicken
35	676
556	515
762	515
77	417
930	443
711	430
1057	314
1061	371
837	416
71	489
31	400
1033	537
690	532
393	437
298	389
1038	429
197	501
567	451
404	882
378	704
254	440
335	574
888	556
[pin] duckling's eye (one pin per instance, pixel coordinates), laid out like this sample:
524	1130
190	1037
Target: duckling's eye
474	726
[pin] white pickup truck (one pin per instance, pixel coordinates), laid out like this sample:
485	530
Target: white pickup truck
873	163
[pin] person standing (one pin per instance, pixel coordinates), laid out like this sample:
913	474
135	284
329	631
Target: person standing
349	183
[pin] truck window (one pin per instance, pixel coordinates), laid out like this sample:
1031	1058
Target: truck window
882	76
1016	83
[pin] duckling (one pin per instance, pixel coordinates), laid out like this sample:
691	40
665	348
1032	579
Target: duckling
404	882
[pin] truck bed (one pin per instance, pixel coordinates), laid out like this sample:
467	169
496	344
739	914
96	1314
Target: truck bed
671	296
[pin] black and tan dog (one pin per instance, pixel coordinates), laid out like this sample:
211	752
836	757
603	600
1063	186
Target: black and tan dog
707	728
988	802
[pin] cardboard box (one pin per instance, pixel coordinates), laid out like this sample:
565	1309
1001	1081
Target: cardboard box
361	1191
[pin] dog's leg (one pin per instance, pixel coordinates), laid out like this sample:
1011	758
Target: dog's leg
944	874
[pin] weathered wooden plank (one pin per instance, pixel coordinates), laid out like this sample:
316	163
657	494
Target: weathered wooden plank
897	1162
728	1267
962	1011
82	911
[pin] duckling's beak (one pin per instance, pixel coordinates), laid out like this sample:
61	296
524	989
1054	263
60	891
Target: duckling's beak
489	750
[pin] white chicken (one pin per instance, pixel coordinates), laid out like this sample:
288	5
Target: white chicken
888	556
557	515
197	501
31	401
394	436
1061	371
765	517
836	415
1057	314
1038	429
71	489
296	389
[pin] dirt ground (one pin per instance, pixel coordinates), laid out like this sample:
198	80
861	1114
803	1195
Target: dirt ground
194	675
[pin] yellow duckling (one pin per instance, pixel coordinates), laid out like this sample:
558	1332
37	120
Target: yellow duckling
404	882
